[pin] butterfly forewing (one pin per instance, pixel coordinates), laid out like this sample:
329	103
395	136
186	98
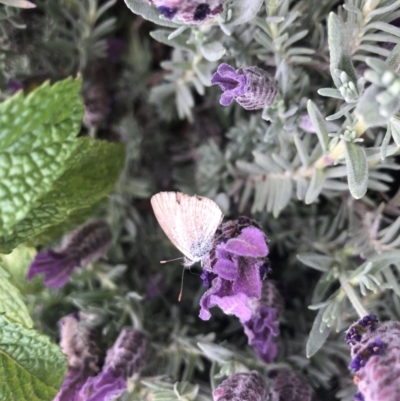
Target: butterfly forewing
189	222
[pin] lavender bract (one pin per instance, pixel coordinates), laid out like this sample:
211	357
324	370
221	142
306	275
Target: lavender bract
237	258
263	326
86	244
375	351
241	387
251	87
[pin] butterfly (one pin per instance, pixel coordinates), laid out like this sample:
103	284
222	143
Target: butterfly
190	222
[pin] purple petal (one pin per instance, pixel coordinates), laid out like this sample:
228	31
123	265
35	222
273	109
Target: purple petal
251	242
248	281
73	383
226	99
104	387
226	269
56	267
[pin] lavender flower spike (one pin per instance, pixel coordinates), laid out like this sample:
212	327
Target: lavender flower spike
235	266
375	351
127	356
252	87
86	244
288	386
241	387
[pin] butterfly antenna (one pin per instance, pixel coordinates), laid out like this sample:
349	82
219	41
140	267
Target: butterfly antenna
180	294
170	260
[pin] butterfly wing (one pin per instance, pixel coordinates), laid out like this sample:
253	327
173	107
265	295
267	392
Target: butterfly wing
189	222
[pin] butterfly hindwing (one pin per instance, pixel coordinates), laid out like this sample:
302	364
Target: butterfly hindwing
189	222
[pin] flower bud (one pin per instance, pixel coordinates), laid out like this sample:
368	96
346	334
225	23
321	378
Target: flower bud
288	386
241	387
252	87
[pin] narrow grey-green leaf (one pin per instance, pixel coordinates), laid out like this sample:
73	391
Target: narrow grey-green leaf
318	335
319	124
316	185
243	11
319	262
212	51
339	48
357	169
31	367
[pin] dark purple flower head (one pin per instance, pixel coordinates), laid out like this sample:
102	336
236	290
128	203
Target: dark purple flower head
241	387
365	325
86	244
168	12
288	386
115	49
252	87
239	251
190	11
14	85
376	359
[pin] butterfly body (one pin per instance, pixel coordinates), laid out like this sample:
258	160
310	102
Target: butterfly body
190	222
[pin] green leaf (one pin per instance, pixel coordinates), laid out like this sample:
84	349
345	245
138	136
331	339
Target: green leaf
31	367
393	60
319	124
357	169
11	304
90	175
18	3
367	110
212	51
216	352
16	265
339	48
149	12
318	335
316	185
243	11
36	133
179	42
318	262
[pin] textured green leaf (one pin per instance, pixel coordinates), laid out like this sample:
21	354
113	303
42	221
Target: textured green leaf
180	42
339	48
18	3
35	140
90	174
16	264
357	169
31	367
318	335
11	304
319	124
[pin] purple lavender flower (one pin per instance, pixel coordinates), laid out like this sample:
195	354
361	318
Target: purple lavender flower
86	244
127	356
375	351
288	386
252	87
81	352
190	11
241	387
14	85
239	252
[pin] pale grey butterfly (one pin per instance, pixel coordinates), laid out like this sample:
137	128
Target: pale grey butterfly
190	222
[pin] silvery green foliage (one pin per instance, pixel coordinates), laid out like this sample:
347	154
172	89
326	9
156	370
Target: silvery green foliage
319	161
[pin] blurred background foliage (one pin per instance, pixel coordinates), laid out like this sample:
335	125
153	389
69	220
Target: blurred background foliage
327	197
